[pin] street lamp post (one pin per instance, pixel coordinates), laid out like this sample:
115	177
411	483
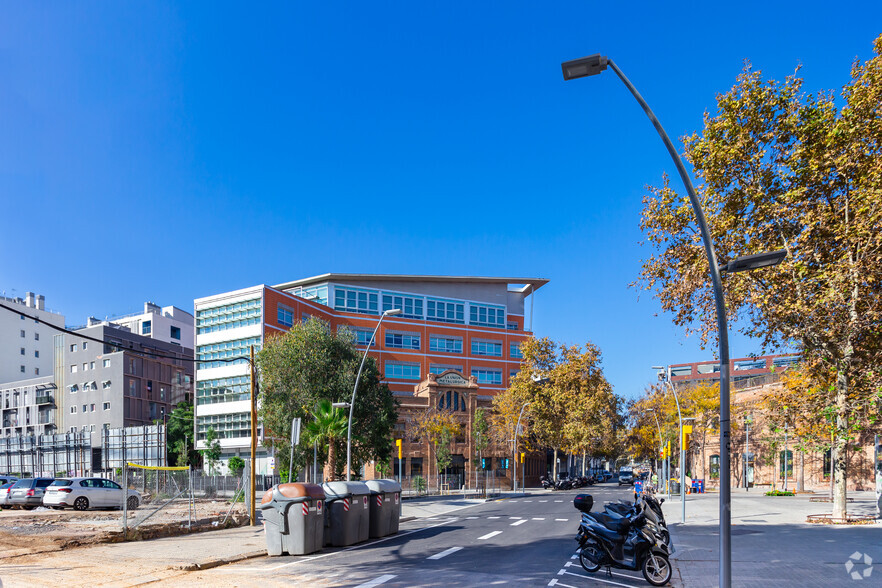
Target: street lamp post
660	442
593	65
785	451
748	420
514	468
667	377
390	312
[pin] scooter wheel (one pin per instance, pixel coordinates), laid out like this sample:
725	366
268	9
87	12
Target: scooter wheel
666	537
657	569
590	558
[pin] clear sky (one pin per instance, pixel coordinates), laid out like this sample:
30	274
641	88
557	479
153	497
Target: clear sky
152	151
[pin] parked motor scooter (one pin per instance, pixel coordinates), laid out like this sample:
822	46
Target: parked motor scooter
654	521
623	542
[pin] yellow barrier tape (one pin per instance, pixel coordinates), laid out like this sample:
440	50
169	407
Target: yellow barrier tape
143	467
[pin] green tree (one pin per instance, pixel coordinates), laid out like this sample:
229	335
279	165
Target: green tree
327	427
440	428
179	435
308	364
212	452
236	465
781	169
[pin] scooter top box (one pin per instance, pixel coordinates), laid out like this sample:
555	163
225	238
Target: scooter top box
583	502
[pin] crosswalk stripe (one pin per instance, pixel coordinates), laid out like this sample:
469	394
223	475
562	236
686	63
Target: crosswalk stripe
493	534
444	553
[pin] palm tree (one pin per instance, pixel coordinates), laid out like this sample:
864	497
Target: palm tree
329	425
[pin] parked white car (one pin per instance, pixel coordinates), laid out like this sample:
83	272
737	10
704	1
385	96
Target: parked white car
84	493
4	495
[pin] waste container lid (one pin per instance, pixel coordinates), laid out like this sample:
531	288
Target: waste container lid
338	490
377	486
296	492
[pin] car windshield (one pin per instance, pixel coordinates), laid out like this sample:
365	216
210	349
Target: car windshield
61	482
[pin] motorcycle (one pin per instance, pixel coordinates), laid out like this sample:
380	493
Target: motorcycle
546	483
564	484
655	519
620	542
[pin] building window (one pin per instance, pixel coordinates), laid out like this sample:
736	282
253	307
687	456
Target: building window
445	344
146	327
175	332
22	351
91	365
402	340
91	408
36	336
22	369
230	316
487	316
73	410
445	311
85	366
362	336
487	376
410	307
105	384
402	371
36	371
437	368
451	400
828	460
106	406
85	345
285	316
226	350
22	333
715	466
514	350
233	389
489	348
133	388
73	369
511	326
512	374
84	408
22	317
37	353
226	426
106	363
73	348
74	388
351	300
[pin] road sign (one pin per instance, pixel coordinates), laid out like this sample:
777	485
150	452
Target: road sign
272	464
295	432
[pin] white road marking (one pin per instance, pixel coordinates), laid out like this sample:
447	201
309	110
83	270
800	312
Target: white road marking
376	581
520	522
561	520
538	518
494	517
472	518
553	582
514	518
543	501
512	501
596	579
528	501
432	519
444	553
489	535
558	500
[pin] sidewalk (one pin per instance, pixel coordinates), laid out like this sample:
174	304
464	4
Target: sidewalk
139	562
772	545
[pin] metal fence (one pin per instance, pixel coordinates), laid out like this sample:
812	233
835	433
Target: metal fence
46	455
481	483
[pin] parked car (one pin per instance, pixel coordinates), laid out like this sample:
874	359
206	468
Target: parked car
84	493
5	478
626	477
27	493
4	495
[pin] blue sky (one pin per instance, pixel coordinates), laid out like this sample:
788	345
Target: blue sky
151	151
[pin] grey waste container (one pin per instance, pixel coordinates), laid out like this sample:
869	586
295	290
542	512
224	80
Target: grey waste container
385	504
347	513
293	516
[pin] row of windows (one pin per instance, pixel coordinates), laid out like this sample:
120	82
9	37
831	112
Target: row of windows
86	386
452	401
226	349
402	340
445	344
351	300
489	348
223	390
487	316
89	408
230	316
447	312
227	426
410	307
411	371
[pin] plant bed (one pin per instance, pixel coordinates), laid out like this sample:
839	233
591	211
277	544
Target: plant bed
828	519
779	493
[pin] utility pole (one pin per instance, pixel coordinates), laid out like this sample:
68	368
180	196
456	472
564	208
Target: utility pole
252	483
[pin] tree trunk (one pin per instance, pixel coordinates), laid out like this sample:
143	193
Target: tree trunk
838	457
800	481
584	457
332	459
554	467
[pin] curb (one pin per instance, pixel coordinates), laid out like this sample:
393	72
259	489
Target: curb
213	563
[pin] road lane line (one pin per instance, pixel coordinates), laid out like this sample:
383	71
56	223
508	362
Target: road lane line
528	501
489	535
494	517
520	522
538	518
514	518
377	581
543	501
444	553
558	500
561	520
472	518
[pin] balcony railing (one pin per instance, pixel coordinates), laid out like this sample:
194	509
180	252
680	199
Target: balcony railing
45	399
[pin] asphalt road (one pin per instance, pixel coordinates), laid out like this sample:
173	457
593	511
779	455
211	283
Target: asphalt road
523	541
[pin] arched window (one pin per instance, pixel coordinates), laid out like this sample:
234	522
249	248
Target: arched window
441	401
448	400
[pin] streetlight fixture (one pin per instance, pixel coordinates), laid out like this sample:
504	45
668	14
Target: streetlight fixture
515	450
390	312
593	65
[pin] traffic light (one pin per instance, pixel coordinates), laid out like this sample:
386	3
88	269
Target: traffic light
398	444
522	457
483	463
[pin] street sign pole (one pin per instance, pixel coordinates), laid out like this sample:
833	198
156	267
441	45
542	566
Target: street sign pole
295	439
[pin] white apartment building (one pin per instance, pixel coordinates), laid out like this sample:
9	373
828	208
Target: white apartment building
26	346
168	323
